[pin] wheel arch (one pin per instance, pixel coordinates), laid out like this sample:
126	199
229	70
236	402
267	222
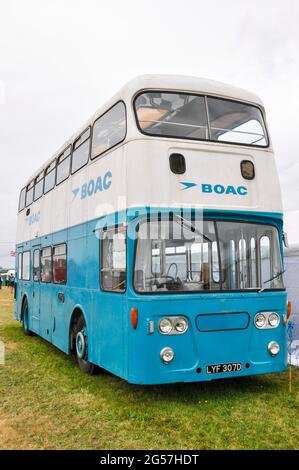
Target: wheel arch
78	312
24	298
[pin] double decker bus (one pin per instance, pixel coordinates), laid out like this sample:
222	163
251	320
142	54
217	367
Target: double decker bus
150	245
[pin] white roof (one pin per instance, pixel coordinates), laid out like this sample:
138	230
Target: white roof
161	82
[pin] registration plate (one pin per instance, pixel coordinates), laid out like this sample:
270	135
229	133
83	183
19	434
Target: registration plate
224	368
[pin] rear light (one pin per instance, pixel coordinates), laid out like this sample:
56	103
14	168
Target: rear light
289	309
134	317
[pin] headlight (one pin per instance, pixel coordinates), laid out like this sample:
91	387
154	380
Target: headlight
260	320
273	348
173	325
181	325
273	320
167	355
165	326
266	320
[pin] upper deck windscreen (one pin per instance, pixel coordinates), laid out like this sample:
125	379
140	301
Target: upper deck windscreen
186	116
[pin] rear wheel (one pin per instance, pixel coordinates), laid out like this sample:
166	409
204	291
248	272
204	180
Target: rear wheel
81	347
25	319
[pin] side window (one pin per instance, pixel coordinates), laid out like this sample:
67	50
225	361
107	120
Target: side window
36	265
26	266
243	278
29	194
81	151
20	262
109	130
39	186
59	264
215	263
265	259
63	166
46	265
253	272
113	260
157	262
50	177
22	199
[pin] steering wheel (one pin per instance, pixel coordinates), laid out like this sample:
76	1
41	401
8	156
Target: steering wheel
176	270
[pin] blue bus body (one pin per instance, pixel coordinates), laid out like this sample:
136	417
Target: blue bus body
221	324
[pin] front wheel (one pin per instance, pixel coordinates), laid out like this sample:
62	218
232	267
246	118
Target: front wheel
81	348
25	319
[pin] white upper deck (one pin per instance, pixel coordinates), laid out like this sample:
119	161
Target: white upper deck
183	83
138	174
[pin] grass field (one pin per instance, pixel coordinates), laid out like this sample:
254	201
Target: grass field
47	403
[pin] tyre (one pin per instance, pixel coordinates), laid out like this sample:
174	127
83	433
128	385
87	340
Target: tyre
25	319
81	348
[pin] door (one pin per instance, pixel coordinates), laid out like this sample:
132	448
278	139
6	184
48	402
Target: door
59	336
36	291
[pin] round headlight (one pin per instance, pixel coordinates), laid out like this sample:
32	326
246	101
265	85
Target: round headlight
167	355
181	325
260	320
165	326
273	348
274	320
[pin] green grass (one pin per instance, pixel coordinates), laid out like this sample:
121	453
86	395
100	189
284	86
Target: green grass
47	403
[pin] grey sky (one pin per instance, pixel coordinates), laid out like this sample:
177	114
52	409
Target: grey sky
61	59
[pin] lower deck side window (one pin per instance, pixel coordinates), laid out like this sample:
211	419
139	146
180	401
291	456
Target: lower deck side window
36	265
46	265
26	266
113	260
59	264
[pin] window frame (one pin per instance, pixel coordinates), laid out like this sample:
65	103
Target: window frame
46	174
101	240
22	190
53	255
205	97
25	253
36	181
28	188
20	265
37	250
41	257
100	117
58	162
74	149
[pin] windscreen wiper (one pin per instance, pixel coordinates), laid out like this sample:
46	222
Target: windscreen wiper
191	227
272	279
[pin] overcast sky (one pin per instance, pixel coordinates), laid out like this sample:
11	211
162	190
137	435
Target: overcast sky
61	59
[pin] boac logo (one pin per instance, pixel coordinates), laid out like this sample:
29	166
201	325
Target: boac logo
102	183
219	189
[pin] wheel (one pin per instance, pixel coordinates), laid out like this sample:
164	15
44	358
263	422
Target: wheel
81	348
25	319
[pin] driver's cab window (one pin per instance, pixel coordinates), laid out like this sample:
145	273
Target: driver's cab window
113	260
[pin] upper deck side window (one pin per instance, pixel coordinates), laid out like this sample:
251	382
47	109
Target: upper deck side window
190	116
29	193
63	166
22	199
50	177
81	149
39	186
109	130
